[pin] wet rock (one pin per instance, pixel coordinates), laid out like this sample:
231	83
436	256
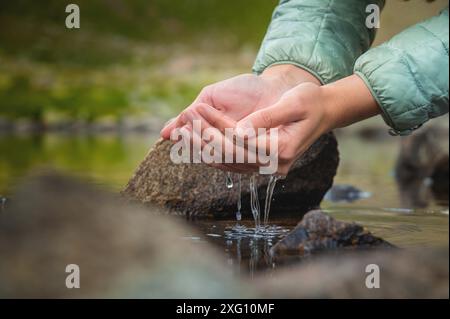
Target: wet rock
345	194
420	155
319	231
440	180
3	201
414	274
123	251
198	190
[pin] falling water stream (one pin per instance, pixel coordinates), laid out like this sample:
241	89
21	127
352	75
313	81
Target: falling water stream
270	188
254	202
254	199
239	202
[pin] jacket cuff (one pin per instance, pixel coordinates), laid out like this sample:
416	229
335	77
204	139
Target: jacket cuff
404	108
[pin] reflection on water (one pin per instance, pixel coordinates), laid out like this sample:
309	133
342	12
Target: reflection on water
109	160
244	246
368	167
250	250
106	159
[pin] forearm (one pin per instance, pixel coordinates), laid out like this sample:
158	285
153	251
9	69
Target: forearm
348	101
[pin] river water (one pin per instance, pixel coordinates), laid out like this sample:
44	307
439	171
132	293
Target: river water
109	160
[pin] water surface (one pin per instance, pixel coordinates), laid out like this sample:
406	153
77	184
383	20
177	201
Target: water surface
109	160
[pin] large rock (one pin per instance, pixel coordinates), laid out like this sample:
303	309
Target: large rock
198	190
319	232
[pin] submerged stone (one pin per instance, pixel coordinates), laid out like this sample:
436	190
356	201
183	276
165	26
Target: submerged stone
199	190
319	231
345	194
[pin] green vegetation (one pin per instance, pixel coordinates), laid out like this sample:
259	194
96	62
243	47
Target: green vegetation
134	57
128	57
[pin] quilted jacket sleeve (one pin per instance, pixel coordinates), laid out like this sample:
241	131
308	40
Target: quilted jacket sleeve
324	37
409	74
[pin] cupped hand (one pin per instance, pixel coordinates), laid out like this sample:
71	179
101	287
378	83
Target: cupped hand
242	95
300	116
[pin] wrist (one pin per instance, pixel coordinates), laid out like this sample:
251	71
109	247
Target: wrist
348	101
331	104
288	76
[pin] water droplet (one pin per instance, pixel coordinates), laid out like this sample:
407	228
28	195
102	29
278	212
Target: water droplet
229	181
239	202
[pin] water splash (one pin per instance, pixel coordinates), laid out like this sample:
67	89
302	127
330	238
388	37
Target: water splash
252	249
229	181
239	202
254	202
270	188
272	232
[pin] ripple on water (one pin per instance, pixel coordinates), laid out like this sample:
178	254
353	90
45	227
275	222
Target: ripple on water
261	232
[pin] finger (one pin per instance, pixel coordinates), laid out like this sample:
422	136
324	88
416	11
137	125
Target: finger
215	118
209	135
227	159
172	124
273	116
167	129
207	132
177	122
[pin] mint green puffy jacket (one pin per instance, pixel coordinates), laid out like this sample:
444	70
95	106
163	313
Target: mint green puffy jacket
408	75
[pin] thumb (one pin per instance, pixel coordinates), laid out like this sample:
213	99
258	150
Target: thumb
270	117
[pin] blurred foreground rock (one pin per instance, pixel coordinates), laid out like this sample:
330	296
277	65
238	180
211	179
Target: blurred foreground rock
198	190
319	232
124	251
403	274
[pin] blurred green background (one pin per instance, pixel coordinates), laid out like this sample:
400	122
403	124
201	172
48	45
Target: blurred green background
134	56
75	99
127	57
